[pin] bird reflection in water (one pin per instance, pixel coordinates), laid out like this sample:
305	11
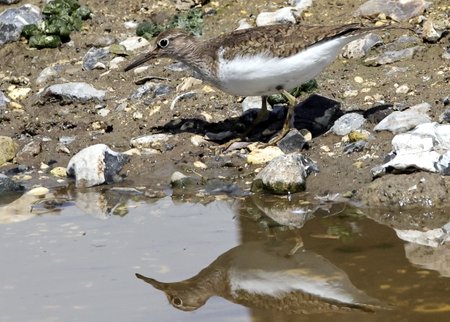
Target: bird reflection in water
269	275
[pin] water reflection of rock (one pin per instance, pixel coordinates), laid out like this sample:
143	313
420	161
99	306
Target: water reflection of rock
34	202
427	234
97	202
268	275
293	213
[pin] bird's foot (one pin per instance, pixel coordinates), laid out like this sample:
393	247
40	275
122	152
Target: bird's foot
297	246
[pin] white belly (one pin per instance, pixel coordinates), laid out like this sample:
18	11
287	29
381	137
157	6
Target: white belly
262	74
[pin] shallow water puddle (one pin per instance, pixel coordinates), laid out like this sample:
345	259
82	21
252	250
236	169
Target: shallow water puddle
227	260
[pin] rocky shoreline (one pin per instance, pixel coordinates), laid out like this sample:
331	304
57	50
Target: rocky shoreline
376	126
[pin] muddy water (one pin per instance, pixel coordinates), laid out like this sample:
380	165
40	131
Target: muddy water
74	258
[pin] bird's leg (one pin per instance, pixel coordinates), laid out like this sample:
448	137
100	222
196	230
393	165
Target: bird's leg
287	121
262	114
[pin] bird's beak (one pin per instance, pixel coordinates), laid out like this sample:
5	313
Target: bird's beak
156	284
141	59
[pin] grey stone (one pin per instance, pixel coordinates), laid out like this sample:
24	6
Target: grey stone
150	87
3	100
360	47
445	116
73	92
95	165
103	41
446	53
347	123
284	174
180	180
219	136
30	149
218	187
150	141
13	20
443	164
93	56
9	1
177	67
390	57
429	33
49	73
8	185
67	139
397	10
357	146
301	4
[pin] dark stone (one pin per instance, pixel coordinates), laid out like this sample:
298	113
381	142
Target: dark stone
7	185
317	114
357	146
113	164
292	142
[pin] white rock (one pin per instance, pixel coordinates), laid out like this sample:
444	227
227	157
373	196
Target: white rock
198	140
115	62
432	238
149	141
405	143
251	102
403	89
200	165
301	5
398	122
133	43
243	24
95	165
283	15
419	160
130	24
261	156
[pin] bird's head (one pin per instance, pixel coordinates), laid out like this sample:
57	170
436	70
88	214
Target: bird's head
172	43
181	295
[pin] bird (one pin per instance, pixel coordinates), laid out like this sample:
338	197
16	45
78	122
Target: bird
258	61
268	275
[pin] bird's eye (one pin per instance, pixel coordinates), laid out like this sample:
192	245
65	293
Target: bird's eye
163	43
176	301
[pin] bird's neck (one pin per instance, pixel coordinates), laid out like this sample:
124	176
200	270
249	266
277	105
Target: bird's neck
192	53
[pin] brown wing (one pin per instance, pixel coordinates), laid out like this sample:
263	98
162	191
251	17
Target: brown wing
283	40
